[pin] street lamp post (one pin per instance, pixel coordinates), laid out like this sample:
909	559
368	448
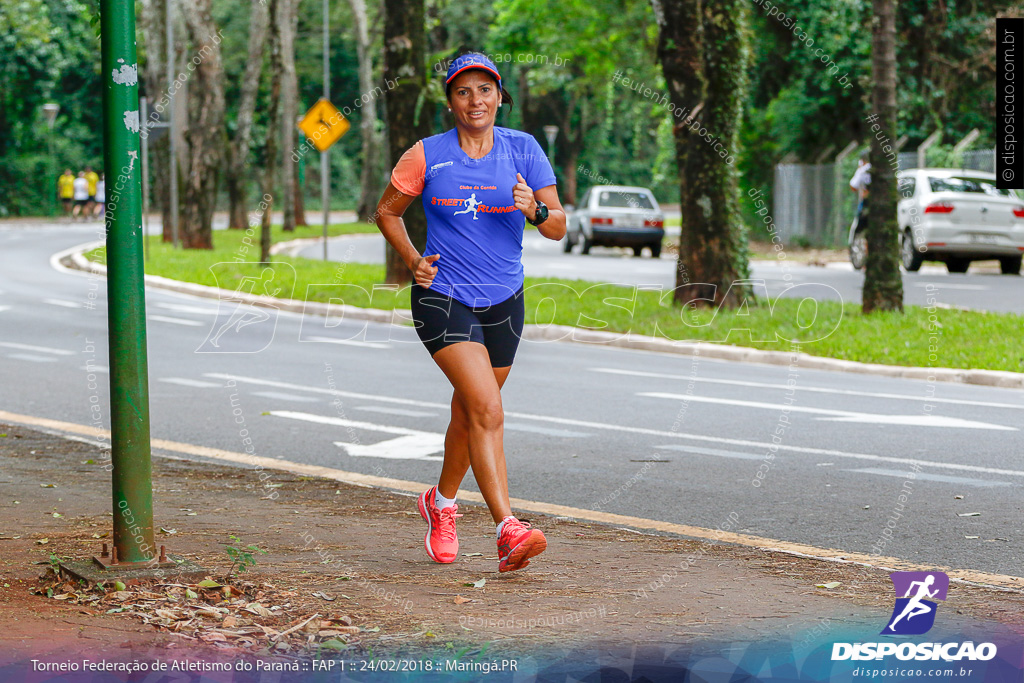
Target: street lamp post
50	110
550	132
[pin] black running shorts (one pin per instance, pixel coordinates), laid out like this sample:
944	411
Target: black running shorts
442	321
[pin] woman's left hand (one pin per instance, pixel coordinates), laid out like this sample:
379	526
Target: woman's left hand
524	199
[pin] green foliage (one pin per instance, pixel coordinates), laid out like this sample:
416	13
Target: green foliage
48	52
241	556
563	55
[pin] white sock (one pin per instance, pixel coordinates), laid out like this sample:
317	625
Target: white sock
500	525
440	502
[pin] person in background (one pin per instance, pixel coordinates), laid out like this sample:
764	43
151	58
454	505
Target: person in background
92	178
101	197
860	181
81	196
66	191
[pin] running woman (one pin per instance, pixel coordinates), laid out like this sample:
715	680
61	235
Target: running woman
478	183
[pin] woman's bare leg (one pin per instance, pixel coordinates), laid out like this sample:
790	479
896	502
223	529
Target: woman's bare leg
467	366
456	442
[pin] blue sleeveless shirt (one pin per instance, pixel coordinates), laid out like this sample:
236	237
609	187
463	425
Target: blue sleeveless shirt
472	220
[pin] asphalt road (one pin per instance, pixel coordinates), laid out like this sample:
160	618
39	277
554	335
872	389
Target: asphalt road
655	435
838	281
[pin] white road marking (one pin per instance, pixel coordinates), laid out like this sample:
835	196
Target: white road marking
938	286
350	342
968	481
32	357
840	415
35	347
185	382
396	411
546	431
95	368
419	447
413	444
285	397
181	308
823	390
62	302
176	321
660	433
342	422
4	308
699	450
916	421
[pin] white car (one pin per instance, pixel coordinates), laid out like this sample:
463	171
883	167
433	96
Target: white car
616	216
955	216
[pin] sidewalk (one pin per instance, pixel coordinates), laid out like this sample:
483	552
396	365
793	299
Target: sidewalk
345	564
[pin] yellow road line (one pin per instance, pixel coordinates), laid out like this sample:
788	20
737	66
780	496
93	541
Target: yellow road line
710	535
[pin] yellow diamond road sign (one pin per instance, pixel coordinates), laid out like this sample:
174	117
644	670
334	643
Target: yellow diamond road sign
323	124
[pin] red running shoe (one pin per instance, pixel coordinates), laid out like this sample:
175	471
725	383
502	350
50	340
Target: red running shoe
441	541
517	543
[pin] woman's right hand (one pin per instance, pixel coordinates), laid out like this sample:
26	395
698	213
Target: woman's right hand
423	271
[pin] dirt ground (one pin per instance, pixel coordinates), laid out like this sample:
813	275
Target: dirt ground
345	569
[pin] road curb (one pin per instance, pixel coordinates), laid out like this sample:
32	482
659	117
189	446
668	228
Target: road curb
75	259
293	247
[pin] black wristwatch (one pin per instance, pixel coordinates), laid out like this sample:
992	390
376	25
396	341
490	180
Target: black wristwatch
541	215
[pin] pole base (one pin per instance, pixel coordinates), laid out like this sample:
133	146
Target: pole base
97	571
108	564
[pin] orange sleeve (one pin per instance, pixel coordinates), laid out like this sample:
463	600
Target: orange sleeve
410	172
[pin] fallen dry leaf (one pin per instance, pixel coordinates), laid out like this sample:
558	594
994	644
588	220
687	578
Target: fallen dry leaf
459	600
258	609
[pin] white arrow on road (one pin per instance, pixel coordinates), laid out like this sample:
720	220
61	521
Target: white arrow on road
412	445
842	415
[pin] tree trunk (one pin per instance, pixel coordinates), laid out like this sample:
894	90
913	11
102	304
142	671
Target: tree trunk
883	282
270	149
300	201
405	65
569	180
703	56
238	150
289	94
370	178
153	25
205	128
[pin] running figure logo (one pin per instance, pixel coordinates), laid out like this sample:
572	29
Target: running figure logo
240	326
471	205
914	613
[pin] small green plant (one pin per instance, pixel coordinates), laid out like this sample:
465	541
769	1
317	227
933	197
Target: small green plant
241	556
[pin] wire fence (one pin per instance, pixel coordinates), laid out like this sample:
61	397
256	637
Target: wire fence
814	205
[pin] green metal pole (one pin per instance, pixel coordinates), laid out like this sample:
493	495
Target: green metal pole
126	302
